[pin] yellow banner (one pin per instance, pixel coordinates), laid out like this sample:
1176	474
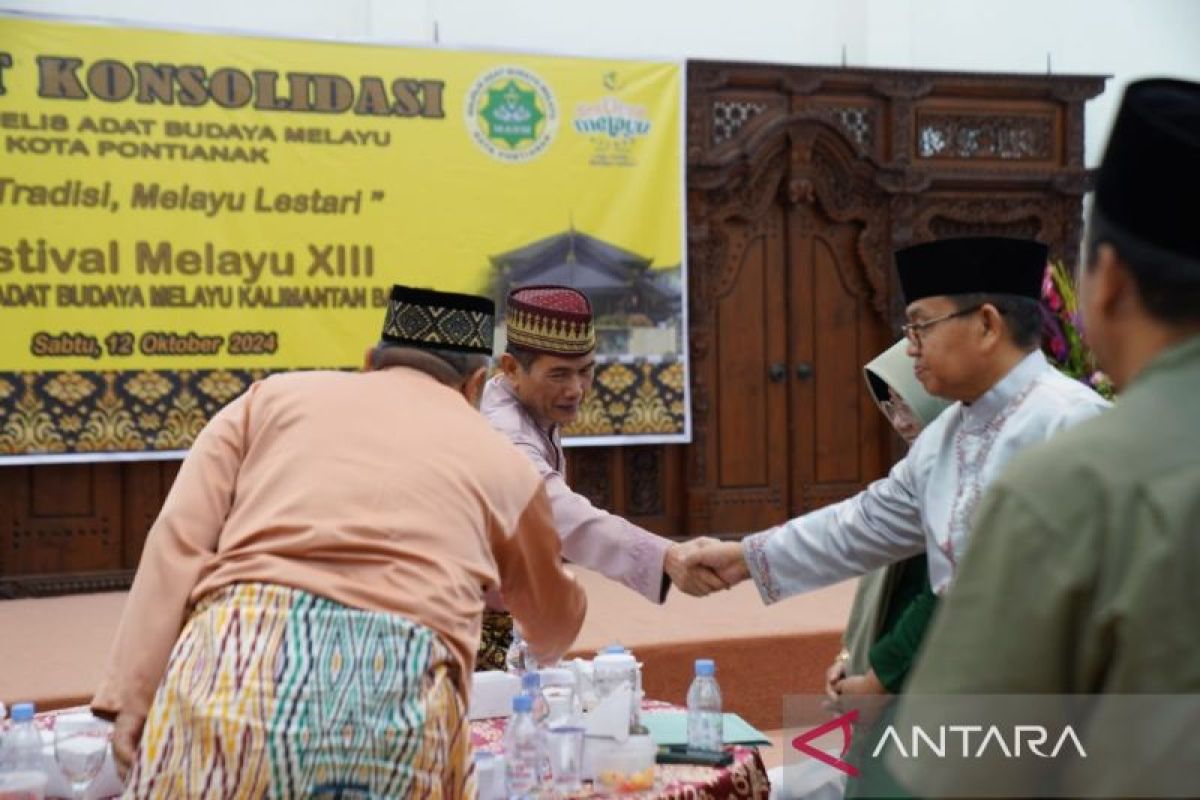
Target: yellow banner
180	210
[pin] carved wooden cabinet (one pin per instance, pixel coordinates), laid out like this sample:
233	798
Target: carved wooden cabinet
801	181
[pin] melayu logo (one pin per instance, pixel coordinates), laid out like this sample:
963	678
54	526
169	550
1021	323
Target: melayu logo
511	114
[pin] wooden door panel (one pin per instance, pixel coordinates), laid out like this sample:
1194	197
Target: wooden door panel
64	492
839	439
145	485
61	519
743	351
751	407
836	383
76	527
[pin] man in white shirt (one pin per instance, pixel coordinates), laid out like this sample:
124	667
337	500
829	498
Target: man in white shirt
974	329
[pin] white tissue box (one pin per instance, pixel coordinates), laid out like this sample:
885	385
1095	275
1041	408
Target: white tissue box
610	717
492	694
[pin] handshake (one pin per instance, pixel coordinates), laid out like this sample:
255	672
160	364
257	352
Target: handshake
705	565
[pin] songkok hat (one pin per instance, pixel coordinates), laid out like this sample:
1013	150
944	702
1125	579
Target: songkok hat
990	264
1147	184
556	320
894	367
428	319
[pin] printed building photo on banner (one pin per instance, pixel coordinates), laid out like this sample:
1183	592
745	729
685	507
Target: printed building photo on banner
639	328
184	213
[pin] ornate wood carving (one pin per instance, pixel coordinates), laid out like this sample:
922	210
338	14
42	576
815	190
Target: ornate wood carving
978	216
941	227
822	165
591	475
970	136
902	85
644	481
728	117
858	123
907	156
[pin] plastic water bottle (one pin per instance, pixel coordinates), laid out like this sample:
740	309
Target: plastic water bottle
531	684
21	765
516	659
522	751
705	725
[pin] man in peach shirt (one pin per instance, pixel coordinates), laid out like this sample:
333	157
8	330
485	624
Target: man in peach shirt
306	611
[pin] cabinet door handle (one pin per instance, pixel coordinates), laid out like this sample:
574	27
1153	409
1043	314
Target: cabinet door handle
777	373
804	370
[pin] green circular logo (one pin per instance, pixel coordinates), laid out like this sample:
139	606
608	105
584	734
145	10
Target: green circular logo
511	114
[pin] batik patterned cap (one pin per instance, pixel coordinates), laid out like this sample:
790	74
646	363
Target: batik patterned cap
556	320
424	318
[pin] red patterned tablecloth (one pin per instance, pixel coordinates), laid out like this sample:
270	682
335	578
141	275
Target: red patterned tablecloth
744	779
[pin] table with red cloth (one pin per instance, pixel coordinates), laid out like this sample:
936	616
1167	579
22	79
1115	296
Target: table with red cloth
745	778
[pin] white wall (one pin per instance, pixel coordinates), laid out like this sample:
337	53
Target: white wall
1125	38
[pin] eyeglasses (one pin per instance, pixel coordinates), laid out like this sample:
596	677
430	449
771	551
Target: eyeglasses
894	408
915	330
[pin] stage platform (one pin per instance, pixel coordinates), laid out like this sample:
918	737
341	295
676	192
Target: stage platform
52	650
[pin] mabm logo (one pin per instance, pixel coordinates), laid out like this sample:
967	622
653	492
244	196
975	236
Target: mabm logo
511	114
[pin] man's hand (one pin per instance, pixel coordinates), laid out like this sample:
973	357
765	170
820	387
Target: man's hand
697	581
723	558
126	733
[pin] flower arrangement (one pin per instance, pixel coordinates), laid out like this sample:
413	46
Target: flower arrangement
1062	341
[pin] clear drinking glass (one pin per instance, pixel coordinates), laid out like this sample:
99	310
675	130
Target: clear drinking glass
558	687
80	747
564	746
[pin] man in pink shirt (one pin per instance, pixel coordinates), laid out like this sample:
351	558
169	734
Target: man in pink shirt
545	373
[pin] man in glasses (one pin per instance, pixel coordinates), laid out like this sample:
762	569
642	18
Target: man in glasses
1083	576
973	331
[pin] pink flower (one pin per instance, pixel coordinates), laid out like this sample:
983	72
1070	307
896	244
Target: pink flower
1048	281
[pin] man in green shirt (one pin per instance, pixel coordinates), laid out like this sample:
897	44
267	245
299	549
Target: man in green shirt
1083	576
